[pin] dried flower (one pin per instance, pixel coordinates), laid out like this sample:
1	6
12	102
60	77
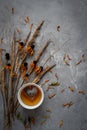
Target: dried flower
29	49
33	64
38	69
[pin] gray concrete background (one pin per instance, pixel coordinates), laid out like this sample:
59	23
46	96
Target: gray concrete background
71	15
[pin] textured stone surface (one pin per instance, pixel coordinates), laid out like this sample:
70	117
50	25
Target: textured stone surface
71	16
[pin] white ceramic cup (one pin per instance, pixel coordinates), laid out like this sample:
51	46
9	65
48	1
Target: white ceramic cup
27	106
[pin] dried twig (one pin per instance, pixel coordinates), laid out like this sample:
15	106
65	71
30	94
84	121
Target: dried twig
35	33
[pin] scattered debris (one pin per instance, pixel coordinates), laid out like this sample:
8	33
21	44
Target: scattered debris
27	20
60	123
79	62
68	104
66	60
71	89
12	10
58	28
51	96
81	92
54	84
82	59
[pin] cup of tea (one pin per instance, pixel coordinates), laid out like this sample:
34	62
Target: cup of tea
30	96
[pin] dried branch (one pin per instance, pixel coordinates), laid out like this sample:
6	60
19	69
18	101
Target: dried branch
35	33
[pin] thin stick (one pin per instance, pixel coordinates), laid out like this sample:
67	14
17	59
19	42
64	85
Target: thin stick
36	33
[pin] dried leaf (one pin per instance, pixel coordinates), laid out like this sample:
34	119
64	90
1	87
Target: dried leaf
51	96
54	84
69	104
81	92
12	10
58	28
66	61
71	89
79	62
27	20
60	123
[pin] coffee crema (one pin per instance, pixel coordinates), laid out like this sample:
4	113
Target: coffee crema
31	95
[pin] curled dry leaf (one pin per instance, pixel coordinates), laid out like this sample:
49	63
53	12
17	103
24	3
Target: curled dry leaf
81	92
68	104
51	96
58	28
27	20
60	123
54	84
71	89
